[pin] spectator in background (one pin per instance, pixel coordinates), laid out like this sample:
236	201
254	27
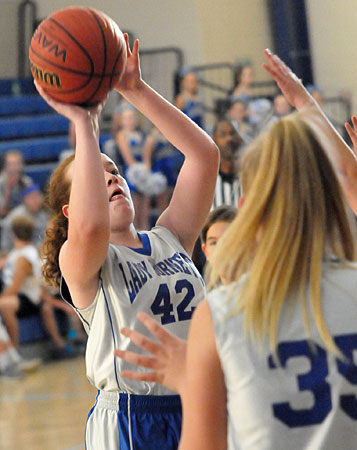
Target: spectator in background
161	157
12	366
238	114
110	147
12	182
280	109
131	140
21	278
227	190
244	79
230	145
52	301
188	100
32	205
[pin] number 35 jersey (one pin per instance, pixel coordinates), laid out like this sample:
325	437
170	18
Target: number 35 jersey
159	279
306	398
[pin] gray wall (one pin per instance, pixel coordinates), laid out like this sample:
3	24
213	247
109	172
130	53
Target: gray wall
215	31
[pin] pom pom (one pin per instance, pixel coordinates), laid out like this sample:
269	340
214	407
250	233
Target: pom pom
156	184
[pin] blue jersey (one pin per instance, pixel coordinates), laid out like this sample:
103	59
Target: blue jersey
193	108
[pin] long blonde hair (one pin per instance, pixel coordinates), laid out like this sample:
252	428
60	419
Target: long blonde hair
293	214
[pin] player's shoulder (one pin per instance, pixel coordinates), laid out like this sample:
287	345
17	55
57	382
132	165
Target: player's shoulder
164	234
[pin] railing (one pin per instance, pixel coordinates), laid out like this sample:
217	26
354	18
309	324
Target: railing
216	83
26	29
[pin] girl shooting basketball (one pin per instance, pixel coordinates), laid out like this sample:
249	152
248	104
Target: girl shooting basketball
109	271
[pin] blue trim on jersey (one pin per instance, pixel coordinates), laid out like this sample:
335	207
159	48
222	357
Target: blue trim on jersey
66	296
146	249
113	334
151	403
89	414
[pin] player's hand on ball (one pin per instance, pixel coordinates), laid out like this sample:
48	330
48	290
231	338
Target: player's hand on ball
167	358
68	110
131	78
73	112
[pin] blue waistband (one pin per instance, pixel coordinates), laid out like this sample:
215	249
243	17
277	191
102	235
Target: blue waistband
144	403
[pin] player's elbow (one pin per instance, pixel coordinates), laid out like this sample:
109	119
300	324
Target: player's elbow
212	157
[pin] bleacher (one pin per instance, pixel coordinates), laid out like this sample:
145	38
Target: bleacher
29	124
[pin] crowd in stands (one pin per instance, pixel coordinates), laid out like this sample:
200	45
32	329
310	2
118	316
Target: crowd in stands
23	292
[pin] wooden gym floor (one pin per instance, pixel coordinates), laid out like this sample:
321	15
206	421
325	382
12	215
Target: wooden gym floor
48	409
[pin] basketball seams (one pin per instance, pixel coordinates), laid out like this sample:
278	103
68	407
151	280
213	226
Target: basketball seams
114	74
94	15
76	41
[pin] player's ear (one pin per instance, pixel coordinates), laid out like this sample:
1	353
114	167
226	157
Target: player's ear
240	202
203	246
65	210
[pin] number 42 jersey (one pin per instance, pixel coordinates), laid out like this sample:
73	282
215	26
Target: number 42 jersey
159	279
304	397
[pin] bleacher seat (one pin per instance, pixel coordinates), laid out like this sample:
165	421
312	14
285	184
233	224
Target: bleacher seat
41	149
37	149
40	173
9	86
40	125
31	328
23	105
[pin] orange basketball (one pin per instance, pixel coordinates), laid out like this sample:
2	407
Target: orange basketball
77	55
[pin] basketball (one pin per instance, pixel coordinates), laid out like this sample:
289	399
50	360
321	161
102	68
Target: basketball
77	54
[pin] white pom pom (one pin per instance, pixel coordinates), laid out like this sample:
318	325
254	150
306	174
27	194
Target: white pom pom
156	184
137	175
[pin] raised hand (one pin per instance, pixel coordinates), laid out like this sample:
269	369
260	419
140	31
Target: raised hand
352	132
167	359
74	112
131	77
289	84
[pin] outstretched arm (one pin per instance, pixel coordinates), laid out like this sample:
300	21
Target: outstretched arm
84	252
340	154
193	194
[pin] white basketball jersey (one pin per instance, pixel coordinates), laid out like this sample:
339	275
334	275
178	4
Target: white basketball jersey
159	279
308	401
32	285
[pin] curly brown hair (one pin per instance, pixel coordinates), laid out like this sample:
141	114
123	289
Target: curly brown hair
57	195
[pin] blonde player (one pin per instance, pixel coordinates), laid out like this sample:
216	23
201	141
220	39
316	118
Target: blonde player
270	360
109	271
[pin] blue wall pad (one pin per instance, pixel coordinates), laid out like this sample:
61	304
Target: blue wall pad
23	105
40	173
11	86
31	328
37	149
40	125
42	149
